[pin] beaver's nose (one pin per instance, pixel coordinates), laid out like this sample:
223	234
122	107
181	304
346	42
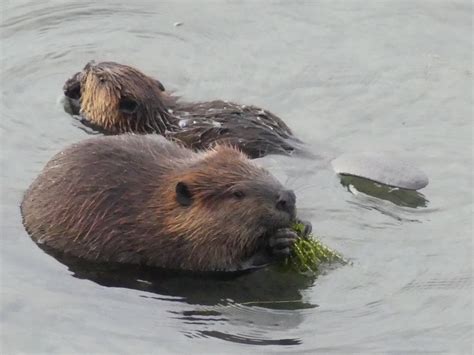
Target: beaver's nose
286	201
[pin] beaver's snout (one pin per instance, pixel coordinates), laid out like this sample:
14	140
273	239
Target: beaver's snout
286	202
72	87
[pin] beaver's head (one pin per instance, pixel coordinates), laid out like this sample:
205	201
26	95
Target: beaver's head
117	98
225	204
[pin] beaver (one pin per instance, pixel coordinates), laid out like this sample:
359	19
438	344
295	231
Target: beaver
142	200
114	98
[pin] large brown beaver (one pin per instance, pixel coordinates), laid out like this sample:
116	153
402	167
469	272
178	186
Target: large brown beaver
115	98
143	200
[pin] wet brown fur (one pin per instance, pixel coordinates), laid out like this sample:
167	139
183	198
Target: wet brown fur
201	125
102	89
113	199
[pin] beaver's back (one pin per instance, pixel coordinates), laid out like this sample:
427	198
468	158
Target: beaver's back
100	185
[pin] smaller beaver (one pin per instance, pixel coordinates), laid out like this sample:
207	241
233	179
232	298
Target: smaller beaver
146	201
115	98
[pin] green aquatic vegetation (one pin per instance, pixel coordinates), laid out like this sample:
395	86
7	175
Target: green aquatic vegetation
309	254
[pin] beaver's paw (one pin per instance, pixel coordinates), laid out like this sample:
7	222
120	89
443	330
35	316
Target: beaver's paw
280	243
308	228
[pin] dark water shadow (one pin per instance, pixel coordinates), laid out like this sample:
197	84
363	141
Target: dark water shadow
249	341
224	306
268	287
398	196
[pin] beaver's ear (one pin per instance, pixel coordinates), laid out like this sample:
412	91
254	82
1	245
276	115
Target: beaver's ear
128	105
160	85
183	195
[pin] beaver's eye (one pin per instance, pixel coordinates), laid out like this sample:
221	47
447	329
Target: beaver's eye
183	195
238	194
128	105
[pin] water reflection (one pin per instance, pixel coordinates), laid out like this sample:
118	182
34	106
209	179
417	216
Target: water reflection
398	196
241	323
255	304
246	340
268	288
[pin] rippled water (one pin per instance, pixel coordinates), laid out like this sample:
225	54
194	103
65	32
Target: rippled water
346	76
